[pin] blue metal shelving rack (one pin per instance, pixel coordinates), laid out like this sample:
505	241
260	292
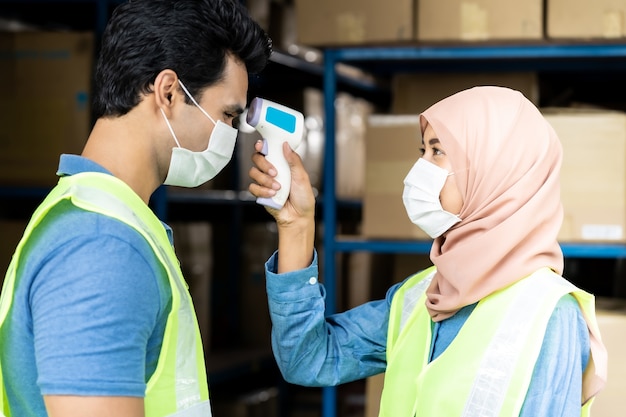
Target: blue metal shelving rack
387	60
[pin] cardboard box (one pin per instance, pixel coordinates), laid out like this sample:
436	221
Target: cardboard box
603	19
368	276
479	20
413	93
350	130
407	264
259	241
45	107
194	248
283	27
392	145
352	22
373	392
351	122
611	315
259	10
593	175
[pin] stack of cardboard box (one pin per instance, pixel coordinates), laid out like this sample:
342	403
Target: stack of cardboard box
45	108
374	22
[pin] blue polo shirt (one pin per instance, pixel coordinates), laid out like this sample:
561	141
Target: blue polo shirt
89	311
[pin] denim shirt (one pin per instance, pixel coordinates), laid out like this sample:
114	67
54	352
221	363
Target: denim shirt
314	350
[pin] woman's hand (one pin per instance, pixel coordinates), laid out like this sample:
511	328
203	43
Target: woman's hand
296	219
301	202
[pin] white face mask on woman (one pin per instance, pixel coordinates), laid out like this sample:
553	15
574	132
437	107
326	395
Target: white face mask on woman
422	187
191	169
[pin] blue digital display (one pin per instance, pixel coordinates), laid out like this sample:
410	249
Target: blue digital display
279	118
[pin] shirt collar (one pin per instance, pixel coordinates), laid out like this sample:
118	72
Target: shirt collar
74	164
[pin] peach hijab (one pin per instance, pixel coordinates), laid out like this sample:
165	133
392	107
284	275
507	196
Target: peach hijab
506	158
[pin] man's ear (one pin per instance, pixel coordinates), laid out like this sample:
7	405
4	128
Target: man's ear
165	89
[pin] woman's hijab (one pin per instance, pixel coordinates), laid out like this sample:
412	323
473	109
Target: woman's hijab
506	159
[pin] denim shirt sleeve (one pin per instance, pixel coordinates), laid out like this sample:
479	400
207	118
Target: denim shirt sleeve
556	385
314	350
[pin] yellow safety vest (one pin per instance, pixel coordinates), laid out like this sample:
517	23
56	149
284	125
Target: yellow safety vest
497	346
178	387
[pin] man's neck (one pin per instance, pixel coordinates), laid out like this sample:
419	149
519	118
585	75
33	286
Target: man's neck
120	148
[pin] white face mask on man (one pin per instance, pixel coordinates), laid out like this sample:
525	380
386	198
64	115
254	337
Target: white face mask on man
422	187
191	169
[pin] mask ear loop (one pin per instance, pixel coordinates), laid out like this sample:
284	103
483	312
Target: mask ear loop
169	126
195	102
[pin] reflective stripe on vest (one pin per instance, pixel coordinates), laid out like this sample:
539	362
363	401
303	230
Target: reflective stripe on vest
498	345
178	386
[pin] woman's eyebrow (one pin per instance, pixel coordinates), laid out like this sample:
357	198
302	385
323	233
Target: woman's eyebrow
433	141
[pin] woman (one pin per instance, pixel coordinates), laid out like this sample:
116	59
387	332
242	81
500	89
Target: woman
492	329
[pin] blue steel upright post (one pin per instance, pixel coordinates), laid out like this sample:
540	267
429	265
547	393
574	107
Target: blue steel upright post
329	394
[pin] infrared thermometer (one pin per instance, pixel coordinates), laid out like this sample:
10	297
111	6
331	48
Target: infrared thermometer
277	124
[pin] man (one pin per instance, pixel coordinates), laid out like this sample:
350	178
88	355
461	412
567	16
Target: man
95	317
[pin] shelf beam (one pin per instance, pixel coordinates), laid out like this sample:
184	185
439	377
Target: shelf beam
502	57
570	249
538	51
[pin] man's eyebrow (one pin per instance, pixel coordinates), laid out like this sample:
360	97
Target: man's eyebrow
233	109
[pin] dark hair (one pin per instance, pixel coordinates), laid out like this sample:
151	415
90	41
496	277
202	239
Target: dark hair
190	37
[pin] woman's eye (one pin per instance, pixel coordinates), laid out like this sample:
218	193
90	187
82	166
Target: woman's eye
422	151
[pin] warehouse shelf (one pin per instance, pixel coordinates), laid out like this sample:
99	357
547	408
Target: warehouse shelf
571	250
286	70
491	51
388	59
232	197
574	56
347	76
